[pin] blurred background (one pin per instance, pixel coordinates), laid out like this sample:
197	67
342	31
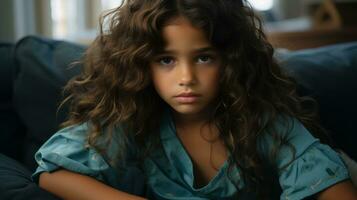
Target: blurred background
291	24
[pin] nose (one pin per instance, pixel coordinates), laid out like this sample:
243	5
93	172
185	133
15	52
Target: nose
187	74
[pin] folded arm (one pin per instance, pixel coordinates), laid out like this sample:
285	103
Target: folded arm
342	191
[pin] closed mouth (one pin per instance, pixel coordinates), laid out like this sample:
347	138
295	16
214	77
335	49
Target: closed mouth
191	94
186	98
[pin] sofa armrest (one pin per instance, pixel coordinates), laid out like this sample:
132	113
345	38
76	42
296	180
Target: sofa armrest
16	183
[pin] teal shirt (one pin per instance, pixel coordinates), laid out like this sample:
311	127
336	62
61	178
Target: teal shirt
168	172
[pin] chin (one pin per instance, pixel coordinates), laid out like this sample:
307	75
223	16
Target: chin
187	110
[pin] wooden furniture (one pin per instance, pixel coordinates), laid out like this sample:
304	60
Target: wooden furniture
311	38
332	22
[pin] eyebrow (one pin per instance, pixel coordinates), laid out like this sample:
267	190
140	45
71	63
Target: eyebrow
199	50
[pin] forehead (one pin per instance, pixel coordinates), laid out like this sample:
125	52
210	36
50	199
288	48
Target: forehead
179	32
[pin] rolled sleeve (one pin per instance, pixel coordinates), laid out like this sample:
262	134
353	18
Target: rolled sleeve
310	168
66	149
318	168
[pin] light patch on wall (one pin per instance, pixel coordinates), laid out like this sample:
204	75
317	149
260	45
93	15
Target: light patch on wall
77	20
262	5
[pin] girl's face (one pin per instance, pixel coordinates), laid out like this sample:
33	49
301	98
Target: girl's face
186	74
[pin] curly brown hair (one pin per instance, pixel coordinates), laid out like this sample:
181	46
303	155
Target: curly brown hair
115	87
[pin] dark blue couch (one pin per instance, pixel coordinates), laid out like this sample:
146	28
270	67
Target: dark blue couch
33	71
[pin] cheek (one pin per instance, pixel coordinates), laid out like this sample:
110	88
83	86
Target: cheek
160	83
212	78
154	77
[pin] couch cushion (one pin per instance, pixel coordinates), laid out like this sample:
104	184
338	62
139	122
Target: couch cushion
16	182
329	74
6	63
43	68
10	126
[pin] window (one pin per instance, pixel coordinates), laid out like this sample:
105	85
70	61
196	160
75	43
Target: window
262	5
77	20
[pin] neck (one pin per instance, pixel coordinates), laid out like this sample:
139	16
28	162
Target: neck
191	119
196	124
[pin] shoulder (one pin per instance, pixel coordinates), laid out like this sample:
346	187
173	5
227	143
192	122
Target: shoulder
81	132
286	133
72	141
75	132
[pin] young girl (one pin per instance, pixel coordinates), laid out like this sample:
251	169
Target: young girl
182	99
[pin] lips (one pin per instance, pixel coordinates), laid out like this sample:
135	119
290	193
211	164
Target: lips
187	98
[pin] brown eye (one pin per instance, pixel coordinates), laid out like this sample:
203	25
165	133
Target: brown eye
204	59
166	60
